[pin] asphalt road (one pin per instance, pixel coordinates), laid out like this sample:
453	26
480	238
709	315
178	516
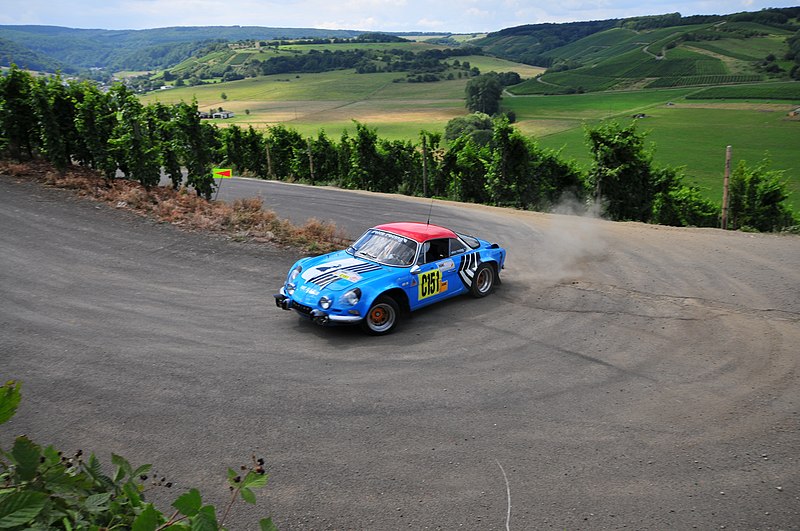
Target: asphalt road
623	376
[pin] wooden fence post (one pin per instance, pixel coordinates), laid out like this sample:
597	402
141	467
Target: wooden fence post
269	163
310	160
725	184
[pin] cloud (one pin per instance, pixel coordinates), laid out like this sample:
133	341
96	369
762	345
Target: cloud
371	5
475	12
429	24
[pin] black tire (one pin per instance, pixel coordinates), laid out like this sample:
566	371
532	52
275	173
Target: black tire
382	317
483	281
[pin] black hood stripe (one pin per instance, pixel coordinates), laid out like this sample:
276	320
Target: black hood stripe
330	277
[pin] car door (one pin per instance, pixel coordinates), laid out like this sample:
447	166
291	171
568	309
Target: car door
436	276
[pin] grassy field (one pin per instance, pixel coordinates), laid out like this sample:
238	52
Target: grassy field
753	49
688	133
332	100
785	91
490	64
410	46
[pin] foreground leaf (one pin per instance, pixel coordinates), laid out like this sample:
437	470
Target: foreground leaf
254	480
20	508
123	467
189	503
97	503
132	492
26	456
205	520
267	525
248	496
148	520
9	400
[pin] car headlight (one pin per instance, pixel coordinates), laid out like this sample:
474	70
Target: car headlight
293	274
352	297
325	303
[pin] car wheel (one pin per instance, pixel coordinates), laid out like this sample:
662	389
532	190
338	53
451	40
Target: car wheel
483	281
382	316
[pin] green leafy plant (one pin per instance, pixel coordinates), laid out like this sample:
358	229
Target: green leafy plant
758	199
42	488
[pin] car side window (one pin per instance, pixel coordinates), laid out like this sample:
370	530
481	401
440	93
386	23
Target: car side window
434	250
456	247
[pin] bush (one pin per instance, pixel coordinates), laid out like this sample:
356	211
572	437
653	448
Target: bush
758	199
44	489
677	204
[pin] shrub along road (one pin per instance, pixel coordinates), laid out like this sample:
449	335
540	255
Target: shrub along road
623	375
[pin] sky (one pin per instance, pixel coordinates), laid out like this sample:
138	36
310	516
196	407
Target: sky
454	16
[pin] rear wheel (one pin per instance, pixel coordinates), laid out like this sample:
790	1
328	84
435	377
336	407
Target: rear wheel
483	281
382	317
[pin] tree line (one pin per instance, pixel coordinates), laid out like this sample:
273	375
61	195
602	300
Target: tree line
480	159
427	65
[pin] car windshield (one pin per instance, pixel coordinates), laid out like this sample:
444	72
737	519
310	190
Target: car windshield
385	248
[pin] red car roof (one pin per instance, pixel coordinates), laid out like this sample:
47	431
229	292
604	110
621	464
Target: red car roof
419	232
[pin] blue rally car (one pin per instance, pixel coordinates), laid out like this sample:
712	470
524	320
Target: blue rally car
392	268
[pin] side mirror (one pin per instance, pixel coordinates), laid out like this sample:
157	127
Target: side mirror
414	270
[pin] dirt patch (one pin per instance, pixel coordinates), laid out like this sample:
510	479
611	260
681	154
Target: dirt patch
242	220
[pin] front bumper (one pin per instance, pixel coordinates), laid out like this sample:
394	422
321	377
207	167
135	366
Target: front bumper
321	317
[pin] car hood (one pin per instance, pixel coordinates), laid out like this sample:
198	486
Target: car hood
337	271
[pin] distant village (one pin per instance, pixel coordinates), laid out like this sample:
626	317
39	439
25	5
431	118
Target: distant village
219	114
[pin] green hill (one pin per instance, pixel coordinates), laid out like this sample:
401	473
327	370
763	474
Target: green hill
79	49
409	61
697	51
11	52
592	51
529	43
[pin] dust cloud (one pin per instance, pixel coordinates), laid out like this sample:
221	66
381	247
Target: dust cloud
560	246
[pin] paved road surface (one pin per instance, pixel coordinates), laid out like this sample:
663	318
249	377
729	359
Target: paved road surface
623	376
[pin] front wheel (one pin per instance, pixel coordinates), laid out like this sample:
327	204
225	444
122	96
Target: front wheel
483	281
382	317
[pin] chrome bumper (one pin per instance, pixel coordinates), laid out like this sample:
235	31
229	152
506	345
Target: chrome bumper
284	302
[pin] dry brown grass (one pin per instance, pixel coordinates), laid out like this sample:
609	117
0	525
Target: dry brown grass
243	220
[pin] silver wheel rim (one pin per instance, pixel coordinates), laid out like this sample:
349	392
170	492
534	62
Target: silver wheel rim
381	317
484	280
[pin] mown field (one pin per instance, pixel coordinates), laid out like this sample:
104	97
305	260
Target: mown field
689	133
330	101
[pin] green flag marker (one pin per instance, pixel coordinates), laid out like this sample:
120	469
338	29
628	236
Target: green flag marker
220	173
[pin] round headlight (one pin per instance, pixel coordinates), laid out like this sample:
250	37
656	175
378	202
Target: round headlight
290	287
352	297
294	272
325	303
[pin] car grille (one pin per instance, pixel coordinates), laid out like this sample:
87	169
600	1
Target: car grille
302	308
